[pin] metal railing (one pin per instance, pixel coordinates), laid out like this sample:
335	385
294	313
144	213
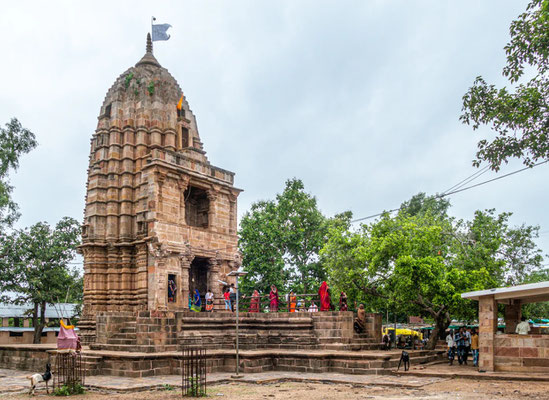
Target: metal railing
193	371
68	371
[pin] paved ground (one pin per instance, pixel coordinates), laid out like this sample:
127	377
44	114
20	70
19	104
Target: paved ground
287	386
15	381
443	370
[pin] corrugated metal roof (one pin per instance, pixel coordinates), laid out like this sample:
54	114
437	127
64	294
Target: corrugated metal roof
21	329
59	310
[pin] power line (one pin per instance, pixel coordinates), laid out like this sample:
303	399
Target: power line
458	190
468	179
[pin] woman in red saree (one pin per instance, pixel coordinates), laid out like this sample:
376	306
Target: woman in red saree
273	297
254	302
325	303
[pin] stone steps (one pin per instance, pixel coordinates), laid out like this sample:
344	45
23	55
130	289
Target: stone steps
91	364
134	348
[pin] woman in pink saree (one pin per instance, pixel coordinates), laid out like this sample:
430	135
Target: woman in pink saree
254	302
273	298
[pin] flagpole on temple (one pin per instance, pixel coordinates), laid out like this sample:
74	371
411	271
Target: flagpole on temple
152	23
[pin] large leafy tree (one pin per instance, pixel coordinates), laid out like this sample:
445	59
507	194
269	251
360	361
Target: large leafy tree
280	241
34	267
420	261
519	115
14	142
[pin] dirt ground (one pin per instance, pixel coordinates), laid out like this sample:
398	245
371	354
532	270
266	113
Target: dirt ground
463	389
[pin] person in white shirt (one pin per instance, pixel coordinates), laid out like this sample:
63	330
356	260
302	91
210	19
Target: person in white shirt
451	346
209	301
523	328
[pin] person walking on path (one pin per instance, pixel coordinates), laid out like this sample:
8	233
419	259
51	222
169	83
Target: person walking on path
273	299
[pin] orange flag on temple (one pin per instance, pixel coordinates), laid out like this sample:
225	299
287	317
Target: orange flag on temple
180	103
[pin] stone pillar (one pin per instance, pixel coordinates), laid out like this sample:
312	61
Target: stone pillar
212	197
26	323
5	322
513	312
186	261
182	185
488	325
213	283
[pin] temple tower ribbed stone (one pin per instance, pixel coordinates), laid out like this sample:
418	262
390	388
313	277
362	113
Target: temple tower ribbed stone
156	209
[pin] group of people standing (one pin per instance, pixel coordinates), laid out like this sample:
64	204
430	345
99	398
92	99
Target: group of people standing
462	342
293	303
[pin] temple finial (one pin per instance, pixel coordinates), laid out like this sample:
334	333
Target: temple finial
149	44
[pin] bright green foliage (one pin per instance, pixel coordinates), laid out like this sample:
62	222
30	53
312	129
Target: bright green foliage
14	142
420	264
280	241
536	310
519	115
69	390
34	266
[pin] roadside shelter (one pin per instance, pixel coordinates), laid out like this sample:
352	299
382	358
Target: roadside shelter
508	351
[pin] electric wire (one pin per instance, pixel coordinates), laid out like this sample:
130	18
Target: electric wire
457	190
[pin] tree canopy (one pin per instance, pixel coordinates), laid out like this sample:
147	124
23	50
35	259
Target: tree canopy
34	267
419	262
518	115
14	142
280	240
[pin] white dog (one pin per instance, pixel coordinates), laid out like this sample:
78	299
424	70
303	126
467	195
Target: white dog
37	378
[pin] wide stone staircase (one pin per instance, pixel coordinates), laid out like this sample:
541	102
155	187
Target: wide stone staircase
255	332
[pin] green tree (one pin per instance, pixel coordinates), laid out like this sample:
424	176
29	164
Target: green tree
280	241
421	262
518	115
14	142
260	243
541	309
34	267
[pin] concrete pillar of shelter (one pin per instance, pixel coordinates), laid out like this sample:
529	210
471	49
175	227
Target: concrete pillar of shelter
5	322
488	325
513	312
26	323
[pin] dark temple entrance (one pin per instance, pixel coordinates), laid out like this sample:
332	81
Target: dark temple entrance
198	276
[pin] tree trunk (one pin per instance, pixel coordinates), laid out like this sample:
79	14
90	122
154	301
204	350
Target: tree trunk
441	323
39	327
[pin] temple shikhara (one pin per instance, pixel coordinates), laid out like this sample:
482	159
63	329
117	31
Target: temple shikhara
160	220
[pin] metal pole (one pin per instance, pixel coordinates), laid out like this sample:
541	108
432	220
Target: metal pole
237	360
237	375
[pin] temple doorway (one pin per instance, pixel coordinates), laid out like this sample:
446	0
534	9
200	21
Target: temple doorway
198	276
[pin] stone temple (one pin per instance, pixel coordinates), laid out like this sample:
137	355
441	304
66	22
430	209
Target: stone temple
157	213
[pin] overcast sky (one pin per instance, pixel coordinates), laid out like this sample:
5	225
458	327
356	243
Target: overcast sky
359	99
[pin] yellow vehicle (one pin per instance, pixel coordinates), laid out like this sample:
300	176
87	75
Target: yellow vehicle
405	332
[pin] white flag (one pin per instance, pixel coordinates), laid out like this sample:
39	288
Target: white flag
159	32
